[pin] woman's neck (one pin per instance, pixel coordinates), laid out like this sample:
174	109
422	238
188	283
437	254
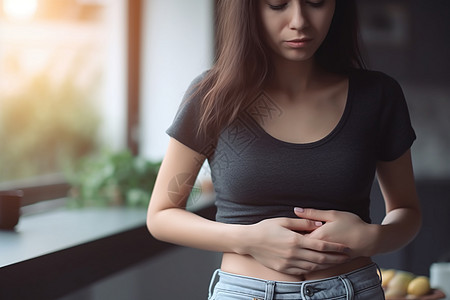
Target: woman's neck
293	78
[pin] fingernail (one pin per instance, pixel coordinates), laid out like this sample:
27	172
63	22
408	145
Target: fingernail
317	223
299	209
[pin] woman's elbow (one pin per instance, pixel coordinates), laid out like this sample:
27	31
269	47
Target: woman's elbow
152	226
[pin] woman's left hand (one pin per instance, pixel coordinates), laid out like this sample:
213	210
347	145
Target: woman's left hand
344	228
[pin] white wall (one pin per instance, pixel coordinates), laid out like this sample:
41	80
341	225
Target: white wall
177	46
114	94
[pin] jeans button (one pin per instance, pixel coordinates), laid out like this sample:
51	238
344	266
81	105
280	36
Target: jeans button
309	291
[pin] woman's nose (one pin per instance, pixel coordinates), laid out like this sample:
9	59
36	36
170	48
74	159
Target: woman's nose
298	19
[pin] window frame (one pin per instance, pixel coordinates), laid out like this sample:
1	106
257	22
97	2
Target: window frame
54	186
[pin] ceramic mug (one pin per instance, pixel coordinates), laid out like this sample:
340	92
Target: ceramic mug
10	203
440	277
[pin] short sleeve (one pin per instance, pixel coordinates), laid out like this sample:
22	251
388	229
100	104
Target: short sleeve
396	134
184	127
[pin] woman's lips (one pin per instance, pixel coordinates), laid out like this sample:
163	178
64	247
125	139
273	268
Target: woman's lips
298	43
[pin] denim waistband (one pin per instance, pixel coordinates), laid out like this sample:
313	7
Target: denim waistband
345	284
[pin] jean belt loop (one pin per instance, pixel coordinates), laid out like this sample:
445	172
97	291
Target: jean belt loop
348	287
270	290
302	291
212	283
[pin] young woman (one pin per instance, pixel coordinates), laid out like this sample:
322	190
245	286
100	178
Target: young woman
294	131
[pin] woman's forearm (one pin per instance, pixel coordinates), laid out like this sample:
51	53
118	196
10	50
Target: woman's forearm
403	215
178	226
397	229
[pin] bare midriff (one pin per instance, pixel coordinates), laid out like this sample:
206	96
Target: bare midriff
248	266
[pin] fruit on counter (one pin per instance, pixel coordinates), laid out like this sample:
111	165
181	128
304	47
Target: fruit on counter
398	285
387	275
419	286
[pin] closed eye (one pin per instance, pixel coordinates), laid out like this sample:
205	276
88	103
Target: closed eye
315	3
277	7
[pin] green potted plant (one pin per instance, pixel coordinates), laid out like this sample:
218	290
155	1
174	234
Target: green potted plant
112	179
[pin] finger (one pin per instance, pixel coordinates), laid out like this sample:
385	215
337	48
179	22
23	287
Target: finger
322	258
305	268
316	257
301	224
323	246
313	214
311	260
304	261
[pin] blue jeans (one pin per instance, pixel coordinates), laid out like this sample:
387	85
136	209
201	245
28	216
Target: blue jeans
360	284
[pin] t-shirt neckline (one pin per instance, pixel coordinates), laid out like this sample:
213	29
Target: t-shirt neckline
326	138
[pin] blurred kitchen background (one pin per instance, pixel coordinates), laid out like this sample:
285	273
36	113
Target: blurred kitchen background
409	40
79	76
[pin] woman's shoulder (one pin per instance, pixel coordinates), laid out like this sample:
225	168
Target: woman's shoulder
194	84
200	77
374	83
185	126
373	76
377	90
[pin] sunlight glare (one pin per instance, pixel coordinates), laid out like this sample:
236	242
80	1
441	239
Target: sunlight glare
20	9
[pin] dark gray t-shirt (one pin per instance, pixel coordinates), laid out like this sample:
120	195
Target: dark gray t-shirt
257	176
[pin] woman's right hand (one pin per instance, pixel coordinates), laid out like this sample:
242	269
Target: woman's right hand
279	244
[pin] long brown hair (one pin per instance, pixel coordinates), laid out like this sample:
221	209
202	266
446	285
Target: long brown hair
242	63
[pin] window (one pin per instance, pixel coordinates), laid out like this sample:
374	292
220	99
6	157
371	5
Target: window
63	88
